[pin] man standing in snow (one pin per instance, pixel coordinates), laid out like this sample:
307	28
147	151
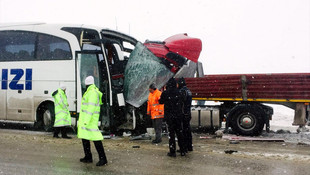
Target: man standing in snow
62	114
171	98
88	122
186	95
156	111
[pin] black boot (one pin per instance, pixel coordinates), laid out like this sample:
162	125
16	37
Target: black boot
88	156
183	153
101	153
86	159
171	154
156	141
56	132
180	151
64	133
102	162
66	137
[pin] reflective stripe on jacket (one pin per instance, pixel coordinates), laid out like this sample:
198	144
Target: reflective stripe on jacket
155	109
89	115
62	114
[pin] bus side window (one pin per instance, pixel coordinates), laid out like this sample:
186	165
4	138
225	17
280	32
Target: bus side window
53	48
17	45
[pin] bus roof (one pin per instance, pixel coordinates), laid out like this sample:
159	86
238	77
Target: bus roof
53	29
50	29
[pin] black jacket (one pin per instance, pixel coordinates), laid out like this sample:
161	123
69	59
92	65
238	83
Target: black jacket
171	98
186	95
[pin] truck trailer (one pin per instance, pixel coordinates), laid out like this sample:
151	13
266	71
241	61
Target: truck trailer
243	99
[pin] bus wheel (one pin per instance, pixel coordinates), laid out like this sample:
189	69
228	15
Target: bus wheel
247	120
46	116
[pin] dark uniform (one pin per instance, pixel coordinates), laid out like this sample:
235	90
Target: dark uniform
186	110
171	98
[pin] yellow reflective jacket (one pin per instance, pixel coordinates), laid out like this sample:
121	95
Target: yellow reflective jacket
62	114
89	115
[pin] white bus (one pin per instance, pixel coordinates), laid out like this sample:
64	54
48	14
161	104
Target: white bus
36	58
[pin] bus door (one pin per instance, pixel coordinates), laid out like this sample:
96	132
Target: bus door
91	63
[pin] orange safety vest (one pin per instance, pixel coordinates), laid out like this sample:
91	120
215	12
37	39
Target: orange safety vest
155	109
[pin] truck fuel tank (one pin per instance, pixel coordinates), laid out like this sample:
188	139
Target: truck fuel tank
205	118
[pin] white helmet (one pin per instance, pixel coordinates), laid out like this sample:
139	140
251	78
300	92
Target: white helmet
89	80
63	87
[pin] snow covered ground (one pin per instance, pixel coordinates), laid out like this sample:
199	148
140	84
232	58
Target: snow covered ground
282	118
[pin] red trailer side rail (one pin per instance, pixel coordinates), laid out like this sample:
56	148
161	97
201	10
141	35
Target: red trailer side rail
286	87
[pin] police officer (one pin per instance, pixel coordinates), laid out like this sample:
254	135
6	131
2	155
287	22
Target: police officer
88	122
62	114
156	111
171	98
186	95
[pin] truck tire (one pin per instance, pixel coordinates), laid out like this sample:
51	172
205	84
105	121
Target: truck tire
247	120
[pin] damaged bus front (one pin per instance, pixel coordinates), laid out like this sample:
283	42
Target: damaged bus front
151	62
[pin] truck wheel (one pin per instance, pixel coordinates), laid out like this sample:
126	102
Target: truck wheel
46	117
247	120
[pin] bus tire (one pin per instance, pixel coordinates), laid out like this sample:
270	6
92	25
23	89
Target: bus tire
46	117
247	120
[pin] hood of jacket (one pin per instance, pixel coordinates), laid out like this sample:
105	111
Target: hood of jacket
181	83
171	83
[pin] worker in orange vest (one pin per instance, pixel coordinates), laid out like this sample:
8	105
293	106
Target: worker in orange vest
156	111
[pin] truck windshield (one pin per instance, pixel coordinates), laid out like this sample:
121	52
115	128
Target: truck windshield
143	68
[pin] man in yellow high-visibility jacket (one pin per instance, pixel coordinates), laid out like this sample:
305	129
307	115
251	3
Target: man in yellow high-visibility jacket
88	122
62	114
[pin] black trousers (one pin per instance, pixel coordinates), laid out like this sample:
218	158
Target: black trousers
157	125
187	131
99	148
62	129
175	128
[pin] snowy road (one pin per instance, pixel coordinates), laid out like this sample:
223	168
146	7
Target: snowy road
31	152
24	151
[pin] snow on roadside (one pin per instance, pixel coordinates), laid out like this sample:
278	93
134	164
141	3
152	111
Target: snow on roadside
282	118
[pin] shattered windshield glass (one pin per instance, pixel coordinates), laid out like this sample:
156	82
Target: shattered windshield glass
143	68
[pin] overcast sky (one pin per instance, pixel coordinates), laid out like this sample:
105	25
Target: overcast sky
238	36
